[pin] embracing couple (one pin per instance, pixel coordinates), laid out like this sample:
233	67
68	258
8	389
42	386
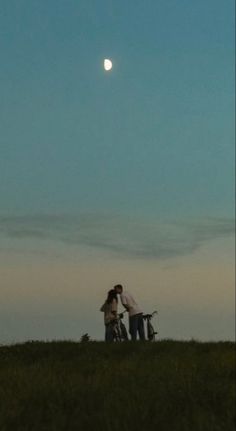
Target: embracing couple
110	307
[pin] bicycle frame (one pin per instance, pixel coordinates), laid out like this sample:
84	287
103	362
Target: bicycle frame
119	329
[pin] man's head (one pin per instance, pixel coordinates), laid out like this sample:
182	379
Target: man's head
118	288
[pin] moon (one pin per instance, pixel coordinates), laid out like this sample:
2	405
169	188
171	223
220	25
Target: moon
107	64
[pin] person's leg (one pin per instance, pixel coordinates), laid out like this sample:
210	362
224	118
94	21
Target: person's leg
133	327
106	333
141	332
109	336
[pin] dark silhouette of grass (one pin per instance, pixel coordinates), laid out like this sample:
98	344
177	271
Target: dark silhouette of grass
167	385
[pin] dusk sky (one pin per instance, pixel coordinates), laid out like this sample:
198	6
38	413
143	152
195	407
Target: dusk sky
124	176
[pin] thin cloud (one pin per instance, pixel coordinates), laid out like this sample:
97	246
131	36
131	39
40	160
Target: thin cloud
117	234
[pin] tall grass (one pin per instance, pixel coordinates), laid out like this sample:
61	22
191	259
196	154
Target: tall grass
167	385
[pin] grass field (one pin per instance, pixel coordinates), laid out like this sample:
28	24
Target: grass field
167	385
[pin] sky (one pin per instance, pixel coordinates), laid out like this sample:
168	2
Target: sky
114	177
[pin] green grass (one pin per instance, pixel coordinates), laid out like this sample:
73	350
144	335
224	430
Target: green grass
167	385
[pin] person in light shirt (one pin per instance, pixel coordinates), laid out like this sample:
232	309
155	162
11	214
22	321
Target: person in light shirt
136	325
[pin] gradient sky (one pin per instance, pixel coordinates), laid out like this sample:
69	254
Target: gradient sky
126	176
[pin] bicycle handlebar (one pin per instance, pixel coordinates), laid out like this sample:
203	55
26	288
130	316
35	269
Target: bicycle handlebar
149	316
145	316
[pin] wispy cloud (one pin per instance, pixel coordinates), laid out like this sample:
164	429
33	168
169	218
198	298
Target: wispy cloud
118	234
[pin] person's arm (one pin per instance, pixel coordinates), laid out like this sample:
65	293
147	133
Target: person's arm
114	308
124	302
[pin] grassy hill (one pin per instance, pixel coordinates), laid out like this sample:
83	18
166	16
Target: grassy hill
167	385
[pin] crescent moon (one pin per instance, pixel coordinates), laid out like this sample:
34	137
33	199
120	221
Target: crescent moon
107	64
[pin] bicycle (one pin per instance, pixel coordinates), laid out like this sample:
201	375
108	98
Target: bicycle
151	333
119	330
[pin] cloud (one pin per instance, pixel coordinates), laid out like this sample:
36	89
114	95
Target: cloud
120	235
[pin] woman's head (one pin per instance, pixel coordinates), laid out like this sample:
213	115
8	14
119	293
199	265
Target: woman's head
111	295
118	288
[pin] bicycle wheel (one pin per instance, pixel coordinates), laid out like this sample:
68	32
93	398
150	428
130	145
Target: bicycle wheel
124	333
117	333
151	332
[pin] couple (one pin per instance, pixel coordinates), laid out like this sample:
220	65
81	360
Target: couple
109	309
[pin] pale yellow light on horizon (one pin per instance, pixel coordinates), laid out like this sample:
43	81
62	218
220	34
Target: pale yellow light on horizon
200	285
